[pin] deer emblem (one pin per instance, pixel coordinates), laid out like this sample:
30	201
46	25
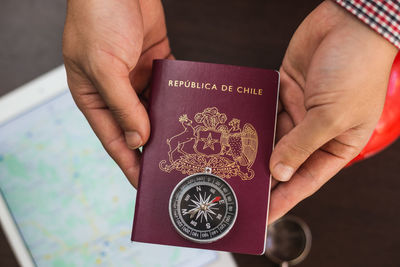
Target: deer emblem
177	142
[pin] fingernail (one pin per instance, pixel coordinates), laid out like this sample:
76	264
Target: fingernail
283	172
133	139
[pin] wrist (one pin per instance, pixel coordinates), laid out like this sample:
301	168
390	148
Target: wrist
380	16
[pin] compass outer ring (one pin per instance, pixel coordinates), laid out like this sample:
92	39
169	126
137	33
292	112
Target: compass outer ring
193	239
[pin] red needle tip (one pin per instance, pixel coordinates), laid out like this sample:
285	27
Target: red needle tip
216	199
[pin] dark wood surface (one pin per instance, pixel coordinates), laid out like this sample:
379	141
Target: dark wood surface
353	218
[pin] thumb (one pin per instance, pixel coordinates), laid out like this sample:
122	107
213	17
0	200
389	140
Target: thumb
298	144
116	90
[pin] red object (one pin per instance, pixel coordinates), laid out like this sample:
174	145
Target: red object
216	199
388	128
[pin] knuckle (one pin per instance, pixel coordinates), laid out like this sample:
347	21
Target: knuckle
347	150
313	186
290	199
78	100
296	150
91	101
113	145
332	120
96	63
137	106
313	182
290	154
301	149
69	58
342	149
120	113
68	47
100	60
72	59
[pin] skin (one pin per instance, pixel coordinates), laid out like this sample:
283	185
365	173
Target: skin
108	59
333	83
334	78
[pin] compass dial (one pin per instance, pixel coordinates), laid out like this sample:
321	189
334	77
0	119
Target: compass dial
203	208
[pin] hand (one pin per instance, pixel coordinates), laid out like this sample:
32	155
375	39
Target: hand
333	84
108	49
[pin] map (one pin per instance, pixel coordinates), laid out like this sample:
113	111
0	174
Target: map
71	202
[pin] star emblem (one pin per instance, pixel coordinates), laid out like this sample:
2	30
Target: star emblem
203	207
209	142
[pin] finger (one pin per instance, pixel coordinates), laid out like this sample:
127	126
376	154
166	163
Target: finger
317	128
111	77
140	74
284	125
274	183
280	106
291	95
113	140
103	124
315	172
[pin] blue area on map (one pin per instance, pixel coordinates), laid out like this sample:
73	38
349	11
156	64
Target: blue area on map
67	221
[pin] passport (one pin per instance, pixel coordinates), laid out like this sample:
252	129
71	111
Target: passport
215	117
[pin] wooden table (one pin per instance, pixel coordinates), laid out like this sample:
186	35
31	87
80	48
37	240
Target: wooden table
354	218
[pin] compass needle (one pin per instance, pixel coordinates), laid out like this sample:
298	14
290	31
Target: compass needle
208	198
199	214
193	210
198	206
201	199
216	199
210	211
212	205
197	203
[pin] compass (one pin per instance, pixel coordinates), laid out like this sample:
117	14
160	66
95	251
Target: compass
203	207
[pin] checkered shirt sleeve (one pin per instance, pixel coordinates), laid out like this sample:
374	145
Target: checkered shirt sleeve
381	15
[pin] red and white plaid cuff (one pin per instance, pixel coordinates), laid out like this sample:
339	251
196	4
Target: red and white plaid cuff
381	15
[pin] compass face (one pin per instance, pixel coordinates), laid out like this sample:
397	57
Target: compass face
203	208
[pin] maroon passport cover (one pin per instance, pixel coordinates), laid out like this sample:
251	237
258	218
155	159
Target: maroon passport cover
190	100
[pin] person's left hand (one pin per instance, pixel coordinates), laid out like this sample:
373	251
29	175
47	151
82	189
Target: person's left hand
333	85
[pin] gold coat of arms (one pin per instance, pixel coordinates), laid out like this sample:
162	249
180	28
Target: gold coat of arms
226	148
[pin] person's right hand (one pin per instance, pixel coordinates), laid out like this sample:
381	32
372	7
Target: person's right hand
108	49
